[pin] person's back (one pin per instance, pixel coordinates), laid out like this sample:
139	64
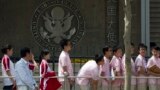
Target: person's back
88	75
88	70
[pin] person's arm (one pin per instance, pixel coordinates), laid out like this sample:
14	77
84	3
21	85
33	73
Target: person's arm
6	65
103	75
64	63
33	65
44	72
65	70
11	78
141	70
34	62
25	76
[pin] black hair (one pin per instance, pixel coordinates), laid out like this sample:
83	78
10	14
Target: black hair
141	45
158	48
115	49
64	43
132	44
24	51
98	58
155	48
153	44
106	48
5	48
43	53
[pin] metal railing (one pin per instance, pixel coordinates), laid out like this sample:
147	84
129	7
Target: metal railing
76	86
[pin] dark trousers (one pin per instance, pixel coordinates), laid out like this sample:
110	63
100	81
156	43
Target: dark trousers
8	87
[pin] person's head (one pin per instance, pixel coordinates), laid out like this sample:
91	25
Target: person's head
99	59
107	51
132	48
152	44
117	52
45	54
155	51
142	49
26	53
66	44
7	49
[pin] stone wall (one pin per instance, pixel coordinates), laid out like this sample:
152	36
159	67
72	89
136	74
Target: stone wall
16	21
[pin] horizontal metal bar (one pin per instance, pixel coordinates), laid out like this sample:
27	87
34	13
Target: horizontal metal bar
147	77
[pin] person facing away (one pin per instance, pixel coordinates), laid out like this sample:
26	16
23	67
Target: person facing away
105	71
64	64
153	63
8	70
89	73
117	67
140	64
133	70
46	74
24	78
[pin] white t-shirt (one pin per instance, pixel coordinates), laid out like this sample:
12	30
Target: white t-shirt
7	64
151	62
90	70
64	60
133	81
140	62
106	70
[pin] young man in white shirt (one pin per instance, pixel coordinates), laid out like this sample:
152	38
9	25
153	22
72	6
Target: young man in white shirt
106	83
141	64
8	70
65	65
133	70
89	74
24	78
153	69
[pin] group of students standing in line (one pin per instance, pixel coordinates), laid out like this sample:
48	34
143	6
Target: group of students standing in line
111	63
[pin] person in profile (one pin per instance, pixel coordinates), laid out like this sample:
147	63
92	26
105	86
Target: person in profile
89	74
8	69
64	64
47	82
24	78
105	72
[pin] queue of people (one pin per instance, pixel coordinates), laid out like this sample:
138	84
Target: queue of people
109	66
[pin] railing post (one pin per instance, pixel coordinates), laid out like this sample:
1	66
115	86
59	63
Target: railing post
65	80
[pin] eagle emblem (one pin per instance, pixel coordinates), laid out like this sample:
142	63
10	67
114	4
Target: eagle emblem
56	25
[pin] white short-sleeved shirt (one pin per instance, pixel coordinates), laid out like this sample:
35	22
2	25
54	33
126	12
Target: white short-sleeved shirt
117	65
7	64
89	69
133	82
151	62
106	69
64	60
140	62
